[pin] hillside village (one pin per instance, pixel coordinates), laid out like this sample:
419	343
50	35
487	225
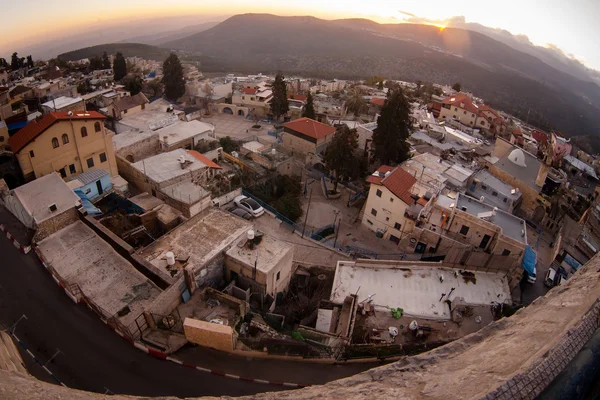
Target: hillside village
262	214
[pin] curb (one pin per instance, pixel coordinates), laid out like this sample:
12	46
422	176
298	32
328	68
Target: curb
156	353
22	249
36	359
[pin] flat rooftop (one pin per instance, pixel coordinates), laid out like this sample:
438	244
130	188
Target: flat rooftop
36	196
130	137
267	253
447	145
185	192
61	102
200	238
80	256
165	166
503	190
511	226
183	130
416	289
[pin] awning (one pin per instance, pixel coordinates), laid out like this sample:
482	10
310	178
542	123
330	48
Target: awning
87	204
529	260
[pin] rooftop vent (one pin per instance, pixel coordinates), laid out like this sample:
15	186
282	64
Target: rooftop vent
463	208
52	207
170	258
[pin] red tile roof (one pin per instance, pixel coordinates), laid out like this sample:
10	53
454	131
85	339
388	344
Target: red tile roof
540	136
459	98
203	159
399	182
249	90
381	171
35	128
310	127
297	97
378	101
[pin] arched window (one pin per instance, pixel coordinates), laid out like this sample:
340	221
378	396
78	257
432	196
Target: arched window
83	131
97	127
54	143
65	138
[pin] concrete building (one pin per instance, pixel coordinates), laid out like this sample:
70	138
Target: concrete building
388	209
305	135
481	226
416	287
461	108
199	247
494	191
64	104
67	143
521	170
256	98
266	267
175	177
44	205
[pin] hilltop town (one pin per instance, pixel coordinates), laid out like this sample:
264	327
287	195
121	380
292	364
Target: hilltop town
286	216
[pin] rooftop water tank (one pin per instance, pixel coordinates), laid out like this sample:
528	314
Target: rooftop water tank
170	258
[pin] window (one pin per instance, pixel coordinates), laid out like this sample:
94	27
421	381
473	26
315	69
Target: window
378	193
98	128
54	143
373	212
143	106
464	230
65	138
391	199
369	222
90	162
102	157
505	252
83	131
72	169
464	112
473	115
63	173
243	97
124	111
505	199
397	226
278	275
394	239
387	219
494	193
483	187
1	139
31	154
455	109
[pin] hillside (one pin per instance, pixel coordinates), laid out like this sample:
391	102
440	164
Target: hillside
128	50
508	79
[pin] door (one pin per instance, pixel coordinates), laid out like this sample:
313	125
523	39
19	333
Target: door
99	186
484	241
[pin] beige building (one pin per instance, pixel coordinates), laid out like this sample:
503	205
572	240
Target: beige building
256	99
521	170
461	108
127	105
388	208
67	143
266	266
305	135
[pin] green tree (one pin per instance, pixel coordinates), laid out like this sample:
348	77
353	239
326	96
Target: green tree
457	86
173	78
105	61
380	85
84	87
393	128
133	83
95	63
228	144
119	67
154	88
309	108
3	63
355	102
279	102
339	157
15	62
29	62
374	80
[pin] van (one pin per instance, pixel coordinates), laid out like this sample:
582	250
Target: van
531	278
550	277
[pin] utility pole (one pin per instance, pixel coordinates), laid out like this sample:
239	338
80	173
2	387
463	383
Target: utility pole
307	210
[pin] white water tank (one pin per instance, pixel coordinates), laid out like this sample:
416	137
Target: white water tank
250	234
170	258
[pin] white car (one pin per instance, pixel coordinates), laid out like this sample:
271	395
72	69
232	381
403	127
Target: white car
249	205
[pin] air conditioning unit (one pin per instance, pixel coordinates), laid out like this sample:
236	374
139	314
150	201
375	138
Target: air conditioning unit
52	207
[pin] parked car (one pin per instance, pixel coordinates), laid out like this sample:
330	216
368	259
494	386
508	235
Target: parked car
241	213
550	278
249	205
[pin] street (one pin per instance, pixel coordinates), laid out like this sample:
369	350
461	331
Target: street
92	357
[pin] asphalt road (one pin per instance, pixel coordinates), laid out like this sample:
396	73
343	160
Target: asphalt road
92	357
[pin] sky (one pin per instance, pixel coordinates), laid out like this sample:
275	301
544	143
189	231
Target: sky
568	25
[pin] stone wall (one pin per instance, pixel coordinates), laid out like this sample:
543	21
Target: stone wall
140	150
529	195
55	224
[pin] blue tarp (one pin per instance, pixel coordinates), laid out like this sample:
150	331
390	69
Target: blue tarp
529	260
87	205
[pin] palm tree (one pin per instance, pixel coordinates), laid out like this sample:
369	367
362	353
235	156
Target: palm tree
355	102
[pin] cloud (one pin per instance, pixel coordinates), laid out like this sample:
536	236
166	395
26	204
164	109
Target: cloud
407	13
